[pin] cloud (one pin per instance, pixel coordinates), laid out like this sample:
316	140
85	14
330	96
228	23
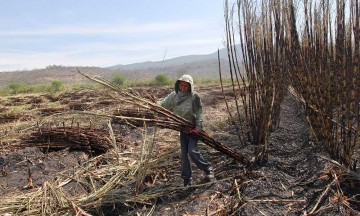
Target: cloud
103	54
114	29
105	45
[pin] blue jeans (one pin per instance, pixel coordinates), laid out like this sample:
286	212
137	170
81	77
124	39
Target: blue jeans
189	148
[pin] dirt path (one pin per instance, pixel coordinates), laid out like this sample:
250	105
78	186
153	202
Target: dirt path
291	167
288	184
285	185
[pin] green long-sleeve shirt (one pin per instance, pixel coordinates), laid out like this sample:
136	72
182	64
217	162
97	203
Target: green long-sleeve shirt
190	108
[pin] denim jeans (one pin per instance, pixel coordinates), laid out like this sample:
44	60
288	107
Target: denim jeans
189	148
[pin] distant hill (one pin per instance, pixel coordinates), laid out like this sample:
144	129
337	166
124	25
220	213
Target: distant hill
199	66
49	74
178	61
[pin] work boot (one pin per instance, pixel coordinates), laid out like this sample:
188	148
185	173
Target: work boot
187	182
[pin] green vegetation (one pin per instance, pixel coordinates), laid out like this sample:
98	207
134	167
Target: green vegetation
162	79
57	86
16	88
211	81
119	80
22	88
159	80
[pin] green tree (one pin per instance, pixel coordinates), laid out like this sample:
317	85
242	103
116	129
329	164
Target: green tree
56	86
162	79
119	80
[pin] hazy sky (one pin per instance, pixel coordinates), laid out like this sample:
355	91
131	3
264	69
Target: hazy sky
38	33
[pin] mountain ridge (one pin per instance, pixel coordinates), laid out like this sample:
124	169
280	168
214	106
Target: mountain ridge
199	66
173	61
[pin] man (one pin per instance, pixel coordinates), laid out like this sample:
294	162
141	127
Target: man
185	102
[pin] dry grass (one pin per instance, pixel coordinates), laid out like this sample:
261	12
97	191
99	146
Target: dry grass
125	175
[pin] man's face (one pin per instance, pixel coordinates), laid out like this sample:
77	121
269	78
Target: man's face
184	86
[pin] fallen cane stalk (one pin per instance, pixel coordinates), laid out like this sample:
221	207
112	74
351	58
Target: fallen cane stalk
275	201
237	189
322	195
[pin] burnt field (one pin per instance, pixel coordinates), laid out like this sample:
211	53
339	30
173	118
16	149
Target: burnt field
64	154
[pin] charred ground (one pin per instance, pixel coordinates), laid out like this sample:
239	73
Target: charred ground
297	179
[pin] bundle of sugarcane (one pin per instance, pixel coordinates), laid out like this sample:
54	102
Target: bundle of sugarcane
11	117
157	115
77	105
95	141
134	116
51	110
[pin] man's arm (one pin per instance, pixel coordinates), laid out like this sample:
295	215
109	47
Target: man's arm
168	101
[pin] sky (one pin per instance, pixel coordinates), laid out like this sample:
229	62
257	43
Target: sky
37	33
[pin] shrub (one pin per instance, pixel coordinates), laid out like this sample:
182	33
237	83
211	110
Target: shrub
119	80
17	88
162	79
56	86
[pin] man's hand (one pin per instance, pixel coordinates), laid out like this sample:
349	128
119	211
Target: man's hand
195	131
